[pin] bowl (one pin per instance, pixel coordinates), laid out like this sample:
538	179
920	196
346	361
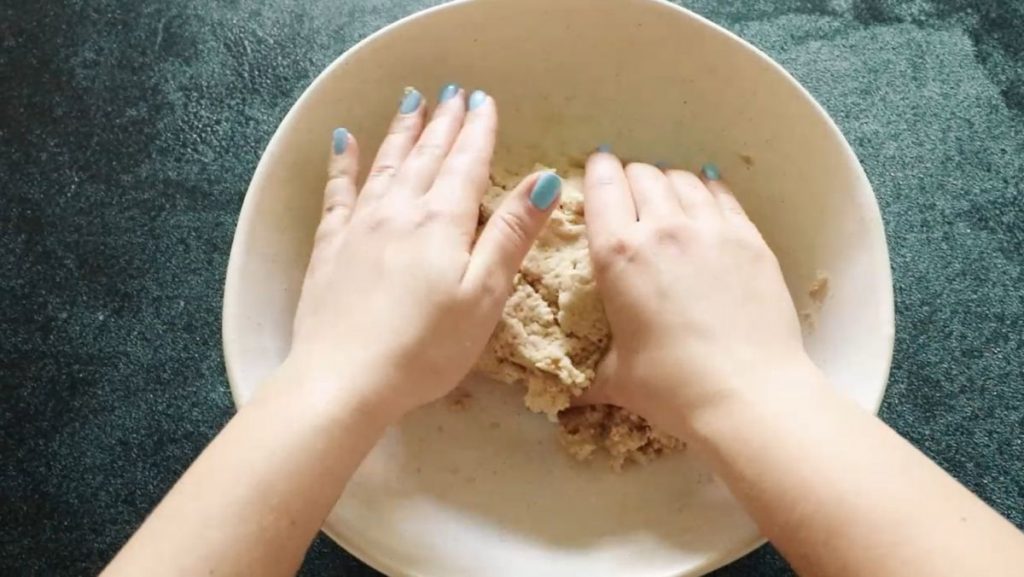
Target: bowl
487	490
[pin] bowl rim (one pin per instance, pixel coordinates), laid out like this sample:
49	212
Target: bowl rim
232	276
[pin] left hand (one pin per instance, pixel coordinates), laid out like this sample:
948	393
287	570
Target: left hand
398	300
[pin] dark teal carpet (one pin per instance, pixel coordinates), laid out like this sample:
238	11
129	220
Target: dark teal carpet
128	133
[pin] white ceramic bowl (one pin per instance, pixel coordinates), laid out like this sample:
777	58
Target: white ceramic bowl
487	491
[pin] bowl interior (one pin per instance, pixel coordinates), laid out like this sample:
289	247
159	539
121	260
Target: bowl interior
487	490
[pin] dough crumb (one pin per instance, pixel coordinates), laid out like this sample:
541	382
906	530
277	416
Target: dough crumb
459	400
818	292
553	332
627	438
819	289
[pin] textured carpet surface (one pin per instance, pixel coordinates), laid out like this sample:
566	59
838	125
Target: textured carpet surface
128	133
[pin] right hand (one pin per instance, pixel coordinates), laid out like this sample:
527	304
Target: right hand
697	304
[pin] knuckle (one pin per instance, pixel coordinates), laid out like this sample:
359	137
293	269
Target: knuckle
612	251
335	172
337	203
375	220
431	150
430	215
732	210
383	170
751	244
730	205
666	236
494	287
337	207
453	304
604	181
514	225
339	193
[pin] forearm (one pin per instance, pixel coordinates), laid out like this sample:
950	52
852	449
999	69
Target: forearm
841	494
255	498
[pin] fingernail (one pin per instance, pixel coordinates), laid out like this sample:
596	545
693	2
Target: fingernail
411	100
661	165
447	92
545	191
604	148
340	140
710	171
476	99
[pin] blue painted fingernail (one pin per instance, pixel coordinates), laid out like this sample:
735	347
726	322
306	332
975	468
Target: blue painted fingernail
477	99
340	140
604	148
448	92
710	171
545	191
411	100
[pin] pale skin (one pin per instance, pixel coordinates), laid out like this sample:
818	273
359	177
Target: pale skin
705	334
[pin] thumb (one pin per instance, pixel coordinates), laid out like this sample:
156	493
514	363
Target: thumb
510	232
600	391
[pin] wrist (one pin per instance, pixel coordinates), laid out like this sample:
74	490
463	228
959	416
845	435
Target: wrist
708	396
776	390
343	394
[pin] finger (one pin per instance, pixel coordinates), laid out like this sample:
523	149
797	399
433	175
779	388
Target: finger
424	162
608	201
694	197
509	234
465	173
600	392
401	137
724	197
652	193
342	171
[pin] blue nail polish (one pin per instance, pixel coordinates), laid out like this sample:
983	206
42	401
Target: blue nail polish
411	101
448	92
476	99
340	140
545	191
710	171
604	148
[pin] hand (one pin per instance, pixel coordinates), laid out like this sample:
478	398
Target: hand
398	301
695	298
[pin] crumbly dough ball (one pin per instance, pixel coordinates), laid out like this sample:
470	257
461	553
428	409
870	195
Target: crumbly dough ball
553	332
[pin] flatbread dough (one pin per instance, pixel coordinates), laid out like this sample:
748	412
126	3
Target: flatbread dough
553	333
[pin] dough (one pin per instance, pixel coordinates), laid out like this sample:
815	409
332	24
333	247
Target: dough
553	333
